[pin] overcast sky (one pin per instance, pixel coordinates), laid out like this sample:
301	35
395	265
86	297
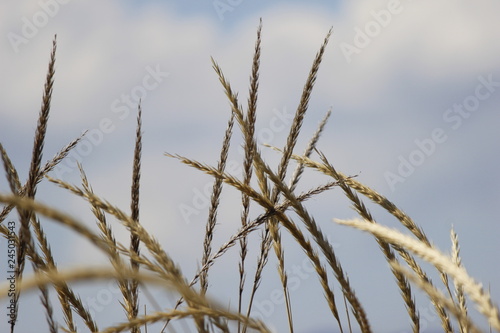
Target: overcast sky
414	89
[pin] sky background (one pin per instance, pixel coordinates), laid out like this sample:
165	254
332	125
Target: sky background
395	75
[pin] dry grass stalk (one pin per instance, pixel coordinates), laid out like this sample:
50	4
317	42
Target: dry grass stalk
252	226
296	233
58	216
237	110
133	306
440	261
214	203
10	171
403	284
49	166
459	290
273	229
44	298
66	295
26	203
438	297
108	236
168	268
311	146
382	201
161	257
327	250
99	273
196	313
249	147
25	240
272	232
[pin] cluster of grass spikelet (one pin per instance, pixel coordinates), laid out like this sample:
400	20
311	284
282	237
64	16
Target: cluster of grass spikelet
145	262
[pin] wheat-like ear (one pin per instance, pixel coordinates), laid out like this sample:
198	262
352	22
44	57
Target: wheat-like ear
164	261
168	272
439	260
402	282
272	234
15	184
301	109
214	203
230	180
375	197
165	265
249	147
299	169
252	226
327	250
439	297
107	235
49	166
10	171
66	296
133	306
26	243
459	290
297	234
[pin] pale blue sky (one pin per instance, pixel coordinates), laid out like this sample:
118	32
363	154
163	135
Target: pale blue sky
393	83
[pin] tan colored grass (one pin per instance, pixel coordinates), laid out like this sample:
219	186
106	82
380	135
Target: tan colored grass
281	208
250	149
212	213
382	201
206	308
311	146
298	235
459	290
155	249
49	166
66	296
214	204
252	226
402	282
440	261
132	307
25	240
10	171
272	232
